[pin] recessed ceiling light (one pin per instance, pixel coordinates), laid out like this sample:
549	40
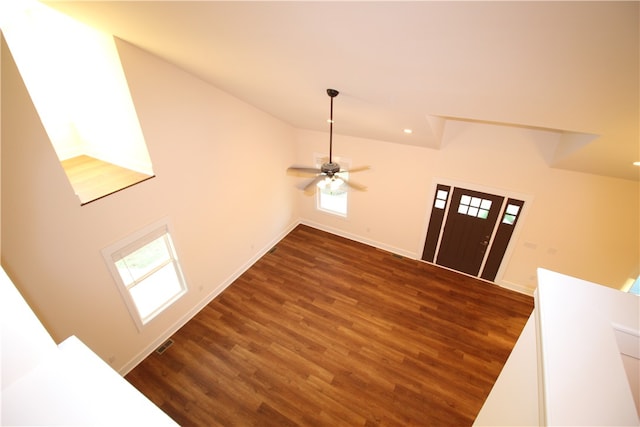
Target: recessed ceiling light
407	131
636	163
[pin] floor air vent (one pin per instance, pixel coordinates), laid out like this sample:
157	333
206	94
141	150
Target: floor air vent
165	345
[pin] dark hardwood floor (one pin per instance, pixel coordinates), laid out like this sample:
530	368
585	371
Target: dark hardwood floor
327	331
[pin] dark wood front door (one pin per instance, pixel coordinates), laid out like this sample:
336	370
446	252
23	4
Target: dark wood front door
467	232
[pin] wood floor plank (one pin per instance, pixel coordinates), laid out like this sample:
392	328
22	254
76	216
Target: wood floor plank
325	331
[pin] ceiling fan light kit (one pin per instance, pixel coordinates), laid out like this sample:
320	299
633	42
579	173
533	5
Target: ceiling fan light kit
328	171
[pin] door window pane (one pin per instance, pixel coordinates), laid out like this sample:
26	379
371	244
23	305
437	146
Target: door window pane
509	219
513	209
474	206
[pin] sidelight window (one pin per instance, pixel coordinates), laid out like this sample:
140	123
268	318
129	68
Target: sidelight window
441	199
511	214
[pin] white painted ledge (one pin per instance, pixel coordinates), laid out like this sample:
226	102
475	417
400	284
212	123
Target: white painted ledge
513	400
576	363
584	379
44	384
74	387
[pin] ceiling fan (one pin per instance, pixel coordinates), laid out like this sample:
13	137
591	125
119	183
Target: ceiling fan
330	172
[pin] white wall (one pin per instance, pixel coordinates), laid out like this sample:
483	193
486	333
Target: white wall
25	343
582	225
220	177
390	214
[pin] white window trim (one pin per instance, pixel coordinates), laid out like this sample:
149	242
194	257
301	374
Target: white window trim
127	245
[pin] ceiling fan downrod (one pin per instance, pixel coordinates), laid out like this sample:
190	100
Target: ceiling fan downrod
332	93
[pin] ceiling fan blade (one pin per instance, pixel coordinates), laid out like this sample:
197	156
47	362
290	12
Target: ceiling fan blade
329	169
310	188
354	185
358	169
302	171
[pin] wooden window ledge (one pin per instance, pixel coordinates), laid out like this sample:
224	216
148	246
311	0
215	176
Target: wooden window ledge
93	179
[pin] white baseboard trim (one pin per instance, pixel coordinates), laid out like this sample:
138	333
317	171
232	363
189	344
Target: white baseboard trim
516	287
203	303
503	284
360	239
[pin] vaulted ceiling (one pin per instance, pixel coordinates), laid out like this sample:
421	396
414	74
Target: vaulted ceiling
564	67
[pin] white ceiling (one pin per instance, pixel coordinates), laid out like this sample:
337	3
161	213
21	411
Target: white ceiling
570	67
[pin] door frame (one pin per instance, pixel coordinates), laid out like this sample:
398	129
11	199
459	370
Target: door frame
506	193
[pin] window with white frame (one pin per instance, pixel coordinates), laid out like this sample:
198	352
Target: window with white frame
332	194
146	269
